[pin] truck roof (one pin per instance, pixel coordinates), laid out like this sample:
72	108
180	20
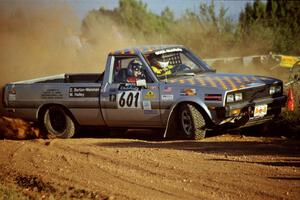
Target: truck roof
142	49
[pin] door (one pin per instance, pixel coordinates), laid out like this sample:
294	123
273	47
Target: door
126	104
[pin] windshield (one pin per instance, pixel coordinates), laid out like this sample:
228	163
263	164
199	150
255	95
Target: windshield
175	62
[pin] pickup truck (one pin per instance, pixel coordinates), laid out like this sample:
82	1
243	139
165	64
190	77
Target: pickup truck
187	96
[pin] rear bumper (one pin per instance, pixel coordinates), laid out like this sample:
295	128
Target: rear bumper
245	116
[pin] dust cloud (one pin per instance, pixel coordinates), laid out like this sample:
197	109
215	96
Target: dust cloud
40	38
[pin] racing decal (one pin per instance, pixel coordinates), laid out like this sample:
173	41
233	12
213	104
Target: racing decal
191	81
128	87
83	92
231	83
237	79
149	95
188	92
213	97
201	81
167	89
167	97
181	81
221	82
152	87
51	94
147	105
211	82
129	99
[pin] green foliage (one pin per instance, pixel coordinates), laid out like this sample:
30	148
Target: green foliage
279	19
262	27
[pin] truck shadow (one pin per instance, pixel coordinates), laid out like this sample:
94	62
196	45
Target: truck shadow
282	163
270	147
139	134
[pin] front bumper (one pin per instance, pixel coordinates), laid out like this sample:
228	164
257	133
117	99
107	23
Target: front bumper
244	115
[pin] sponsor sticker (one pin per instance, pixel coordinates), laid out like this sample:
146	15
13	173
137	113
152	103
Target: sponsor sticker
152	87
149	95
128	87
167	97
51	94
167	89
147	105
188	92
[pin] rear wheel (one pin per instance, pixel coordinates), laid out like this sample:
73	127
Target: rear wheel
58	123
191	122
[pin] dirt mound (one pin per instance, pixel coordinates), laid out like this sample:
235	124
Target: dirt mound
17	129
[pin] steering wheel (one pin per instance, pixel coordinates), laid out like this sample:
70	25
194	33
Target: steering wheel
180	67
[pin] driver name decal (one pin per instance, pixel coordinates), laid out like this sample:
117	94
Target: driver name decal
83	92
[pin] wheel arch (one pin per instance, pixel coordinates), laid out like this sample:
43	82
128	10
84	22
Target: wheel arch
42	109
198	104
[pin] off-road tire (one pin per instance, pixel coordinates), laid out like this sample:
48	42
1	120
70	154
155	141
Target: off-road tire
192	124
58	123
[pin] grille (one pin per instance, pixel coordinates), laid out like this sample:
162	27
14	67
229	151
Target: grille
254	93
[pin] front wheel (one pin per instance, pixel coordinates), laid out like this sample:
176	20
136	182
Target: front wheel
58	123
191	122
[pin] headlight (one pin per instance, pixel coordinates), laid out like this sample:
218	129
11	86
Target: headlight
272	90
230	98
275	89
238	96
278	89
234	97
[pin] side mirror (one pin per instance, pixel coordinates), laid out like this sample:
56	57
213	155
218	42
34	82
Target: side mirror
141	83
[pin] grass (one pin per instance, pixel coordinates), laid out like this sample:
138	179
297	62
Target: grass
11	193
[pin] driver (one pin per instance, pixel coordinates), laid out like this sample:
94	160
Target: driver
134	71
159	65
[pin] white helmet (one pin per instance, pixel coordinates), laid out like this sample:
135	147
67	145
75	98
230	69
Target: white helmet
163	64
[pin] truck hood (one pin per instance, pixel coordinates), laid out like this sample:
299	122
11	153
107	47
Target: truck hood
224	81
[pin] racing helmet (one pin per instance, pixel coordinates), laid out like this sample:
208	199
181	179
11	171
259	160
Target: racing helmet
158	60
134	66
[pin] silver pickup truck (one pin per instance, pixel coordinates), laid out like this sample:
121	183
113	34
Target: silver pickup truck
166	87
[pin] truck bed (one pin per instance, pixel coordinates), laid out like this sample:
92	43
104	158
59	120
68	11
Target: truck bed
67	78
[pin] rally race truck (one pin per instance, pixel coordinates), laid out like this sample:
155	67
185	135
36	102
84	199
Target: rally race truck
183	94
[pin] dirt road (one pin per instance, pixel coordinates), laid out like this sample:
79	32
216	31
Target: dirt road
222	167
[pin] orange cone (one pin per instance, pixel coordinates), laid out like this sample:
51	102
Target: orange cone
290	100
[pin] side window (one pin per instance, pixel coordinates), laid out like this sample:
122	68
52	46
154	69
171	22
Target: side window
128	69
